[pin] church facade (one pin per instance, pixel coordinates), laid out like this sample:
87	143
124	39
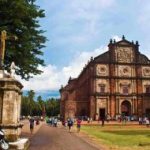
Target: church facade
115	82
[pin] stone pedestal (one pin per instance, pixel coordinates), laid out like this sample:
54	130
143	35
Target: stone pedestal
20	144
10	106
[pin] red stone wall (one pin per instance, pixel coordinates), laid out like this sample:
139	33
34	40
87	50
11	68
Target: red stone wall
80	94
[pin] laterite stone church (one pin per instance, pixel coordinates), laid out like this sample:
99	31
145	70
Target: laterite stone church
115	82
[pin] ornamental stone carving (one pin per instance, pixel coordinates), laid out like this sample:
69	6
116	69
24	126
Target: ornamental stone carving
102	70
124	54
101	103
124	71
146	71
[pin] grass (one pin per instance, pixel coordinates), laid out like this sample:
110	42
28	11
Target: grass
120	137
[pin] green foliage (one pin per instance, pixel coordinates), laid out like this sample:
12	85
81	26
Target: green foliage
52	107
36	107
20	18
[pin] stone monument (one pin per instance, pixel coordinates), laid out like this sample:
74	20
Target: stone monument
10	99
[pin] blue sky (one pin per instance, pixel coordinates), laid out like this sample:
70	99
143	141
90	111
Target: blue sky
79	29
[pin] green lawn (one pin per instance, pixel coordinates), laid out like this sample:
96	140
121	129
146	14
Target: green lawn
120	137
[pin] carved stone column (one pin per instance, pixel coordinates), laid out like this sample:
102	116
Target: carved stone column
10	107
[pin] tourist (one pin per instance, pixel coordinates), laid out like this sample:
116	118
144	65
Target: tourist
70	124
119	118
88	120
140	120
65	123
147	122
103	121
108	118
124	120
50	121
55	122
31	124
78	125
91	120
37	121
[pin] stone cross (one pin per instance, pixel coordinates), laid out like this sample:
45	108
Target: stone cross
3	38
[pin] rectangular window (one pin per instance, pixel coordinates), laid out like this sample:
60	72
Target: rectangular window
102	88
125	90
148	89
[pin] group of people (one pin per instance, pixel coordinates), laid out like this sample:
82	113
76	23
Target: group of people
70	122
144	120
89	120
52	121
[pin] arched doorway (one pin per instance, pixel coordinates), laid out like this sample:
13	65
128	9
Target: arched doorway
126	108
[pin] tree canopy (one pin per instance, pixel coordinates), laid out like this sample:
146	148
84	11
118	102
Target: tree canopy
21	18
32	107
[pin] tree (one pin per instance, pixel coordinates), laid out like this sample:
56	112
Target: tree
20	18
30	106
25	106
31	95
40	104
52	107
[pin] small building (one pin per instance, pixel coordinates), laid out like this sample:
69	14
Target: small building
116	82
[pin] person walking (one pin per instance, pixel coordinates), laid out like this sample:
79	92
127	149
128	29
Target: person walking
55	122
78	125
37	121
140	120
103	121
147	122
31	124
70	124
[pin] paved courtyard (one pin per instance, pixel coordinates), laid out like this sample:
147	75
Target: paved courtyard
46	137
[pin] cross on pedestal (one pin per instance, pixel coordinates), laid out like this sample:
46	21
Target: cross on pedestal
3	38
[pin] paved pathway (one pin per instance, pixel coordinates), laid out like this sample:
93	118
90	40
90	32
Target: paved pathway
46	137
51	138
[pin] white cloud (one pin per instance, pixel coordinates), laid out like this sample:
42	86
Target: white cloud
116	37
70	22
52	78
47	80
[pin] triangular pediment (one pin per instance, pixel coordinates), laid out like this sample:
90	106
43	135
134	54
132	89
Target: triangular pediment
124	42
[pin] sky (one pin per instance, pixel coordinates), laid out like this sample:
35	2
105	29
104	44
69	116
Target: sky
80	29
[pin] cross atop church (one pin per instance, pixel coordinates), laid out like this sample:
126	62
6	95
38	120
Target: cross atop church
3	38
